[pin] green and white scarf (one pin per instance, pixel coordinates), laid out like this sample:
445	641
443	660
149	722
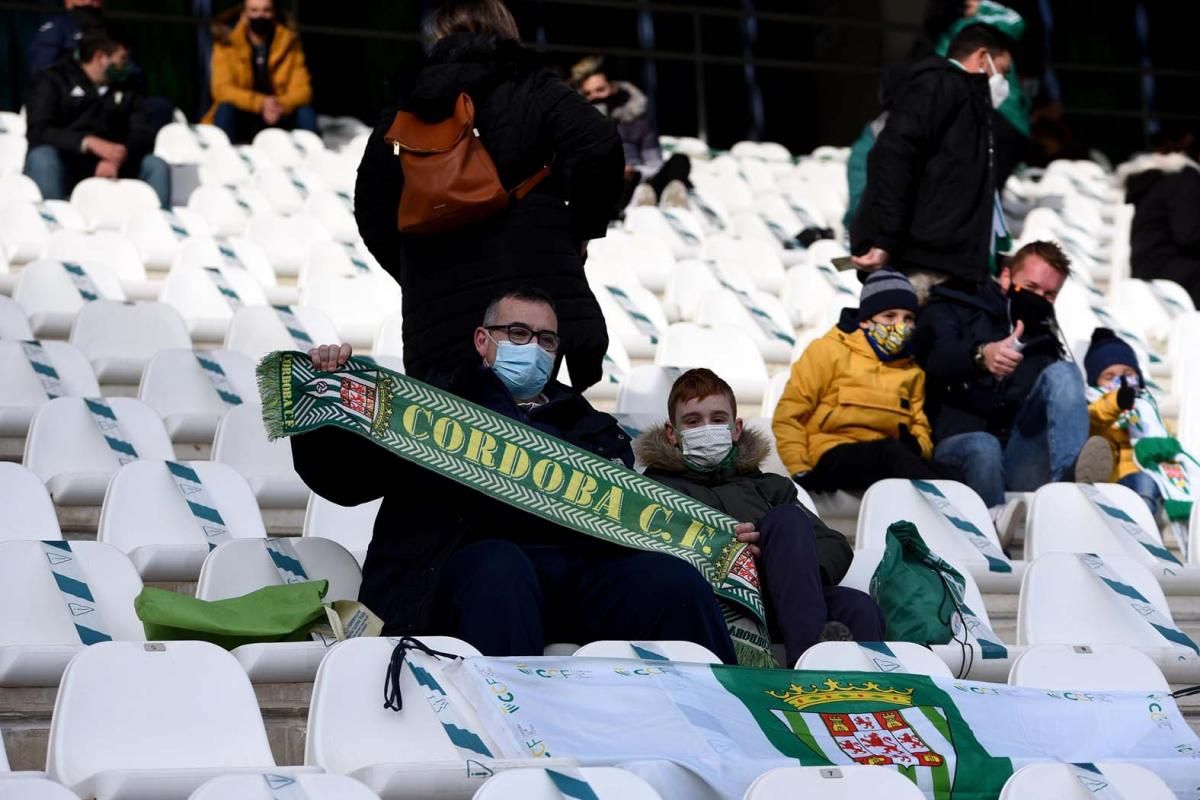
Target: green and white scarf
523	467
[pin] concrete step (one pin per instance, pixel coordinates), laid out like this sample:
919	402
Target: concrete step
81	522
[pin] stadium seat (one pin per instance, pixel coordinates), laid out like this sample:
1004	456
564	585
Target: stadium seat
1062	520
1060	782
278	146
241	442
68	452
814	298
241	566
106	204
912	658
389	340
755	258
843	782
258	330
285	188
357	305
1063	602
259	787
24	786
205	309
672	651
1089	668
13	150
176	143
337	258
38	641
109	249
773	463
758	314
24	226
681	230
159	235
334	215
349	526
888	501
633	316
532	783
22	391
50	299
18	187
13	322
644	391
690	284
285	240
233	252
120	338
185	391
219	207
147	516
773	391
136	720
729	352
28	511
615	366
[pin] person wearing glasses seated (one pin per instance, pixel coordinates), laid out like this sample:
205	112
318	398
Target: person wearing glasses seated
448	560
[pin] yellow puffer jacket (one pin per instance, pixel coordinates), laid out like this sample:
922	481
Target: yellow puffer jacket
1103	415
233	72
840	392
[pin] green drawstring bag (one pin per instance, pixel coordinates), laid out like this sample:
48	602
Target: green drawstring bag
283	613
910	587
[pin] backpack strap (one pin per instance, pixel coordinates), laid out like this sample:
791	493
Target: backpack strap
529	184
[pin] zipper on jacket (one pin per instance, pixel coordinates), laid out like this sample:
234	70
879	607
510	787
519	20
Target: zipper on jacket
396	148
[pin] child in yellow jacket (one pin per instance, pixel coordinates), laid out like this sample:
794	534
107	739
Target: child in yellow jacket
853	410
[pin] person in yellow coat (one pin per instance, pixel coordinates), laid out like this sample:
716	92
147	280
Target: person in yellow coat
259	78
853	410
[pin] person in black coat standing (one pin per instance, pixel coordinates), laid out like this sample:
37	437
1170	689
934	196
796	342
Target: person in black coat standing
526	117
930	202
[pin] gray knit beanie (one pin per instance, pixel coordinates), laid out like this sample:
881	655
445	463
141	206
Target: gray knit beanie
885	289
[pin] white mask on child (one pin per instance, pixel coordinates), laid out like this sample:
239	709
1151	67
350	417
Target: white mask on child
706	448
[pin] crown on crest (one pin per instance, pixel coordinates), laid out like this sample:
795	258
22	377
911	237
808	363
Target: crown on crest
833	692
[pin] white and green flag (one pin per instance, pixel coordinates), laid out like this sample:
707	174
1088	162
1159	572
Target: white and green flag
954	739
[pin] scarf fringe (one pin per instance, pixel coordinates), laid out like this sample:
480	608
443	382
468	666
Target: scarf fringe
750	656
270	391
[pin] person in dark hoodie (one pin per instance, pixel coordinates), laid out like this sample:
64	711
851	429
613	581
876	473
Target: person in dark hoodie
447	559
929	205
1164	188
1007	409
706	452
526	118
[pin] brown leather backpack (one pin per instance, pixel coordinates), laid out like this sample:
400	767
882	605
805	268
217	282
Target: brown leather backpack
449	179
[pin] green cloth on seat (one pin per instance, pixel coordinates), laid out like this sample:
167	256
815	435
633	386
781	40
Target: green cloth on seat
909	586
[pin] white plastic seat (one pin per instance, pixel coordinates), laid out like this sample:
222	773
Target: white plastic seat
357	305
257	330
105	204
1091	668
773	391
404	754
680	229
914	659
22	393
622	326
754	257
33	787
13	322
112	738
891	500
68	452
120	339
843	782
219	208
531	783
176	143
198	253
256	787
728	352
1058	782
146	516
1062	520
176	386
159	235
278	146
48	297
206	311
334	214
389	340
286	240
20	187
110	250
690	284
673	651
774	338
645	390
28	511
349	526
25	226
241	442
337	258
37	642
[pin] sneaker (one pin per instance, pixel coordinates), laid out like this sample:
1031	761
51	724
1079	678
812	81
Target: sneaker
834	631
1094	464
675	195
644	195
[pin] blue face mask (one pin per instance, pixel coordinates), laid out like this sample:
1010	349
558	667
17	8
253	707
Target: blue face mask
522	368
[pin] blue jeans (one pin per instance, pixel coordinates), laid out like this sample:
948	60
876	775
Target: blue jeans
1145	487
1048	431
56	173
241	126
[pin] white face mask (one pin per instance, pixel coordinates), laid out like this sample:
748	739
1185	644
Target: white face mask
706	448
997	84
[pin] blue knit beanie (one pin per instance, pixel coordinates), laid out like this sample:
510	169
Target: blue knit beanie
885	289
1105	350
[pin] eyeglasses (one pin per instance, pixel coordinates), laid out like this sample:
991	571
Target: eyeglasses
523	334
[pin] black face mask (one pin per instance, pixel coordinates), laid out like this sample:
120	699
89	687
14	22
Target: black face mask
1034	310
263	27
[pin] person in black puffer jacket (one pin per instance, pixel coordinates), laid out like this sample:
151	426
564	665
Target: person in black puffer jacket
527	118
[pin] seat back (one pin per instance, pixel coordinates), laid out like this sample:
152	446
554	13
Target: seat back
106	203
1092	668
645	390
44	286
891	500
913	658
174	382
607	783
241	442
357	305
109	332
832	783
23	389
28	510
1059	782
348	728
198	252
169	705
198	299
110	249
28	583
1062	602
257	330
256	787
242	566
144	506
728	352
673	651
13	323
1062	520
390	338
349	526
22	787
219	208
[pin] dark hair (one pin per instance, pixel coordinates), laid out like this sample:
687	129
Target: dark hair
973	37
529	294
488	17
1050	252
697	384
107	40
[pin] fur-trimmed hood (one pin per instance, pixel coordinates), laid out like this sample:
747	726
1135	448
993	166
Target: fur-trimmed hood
656	453
633	108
